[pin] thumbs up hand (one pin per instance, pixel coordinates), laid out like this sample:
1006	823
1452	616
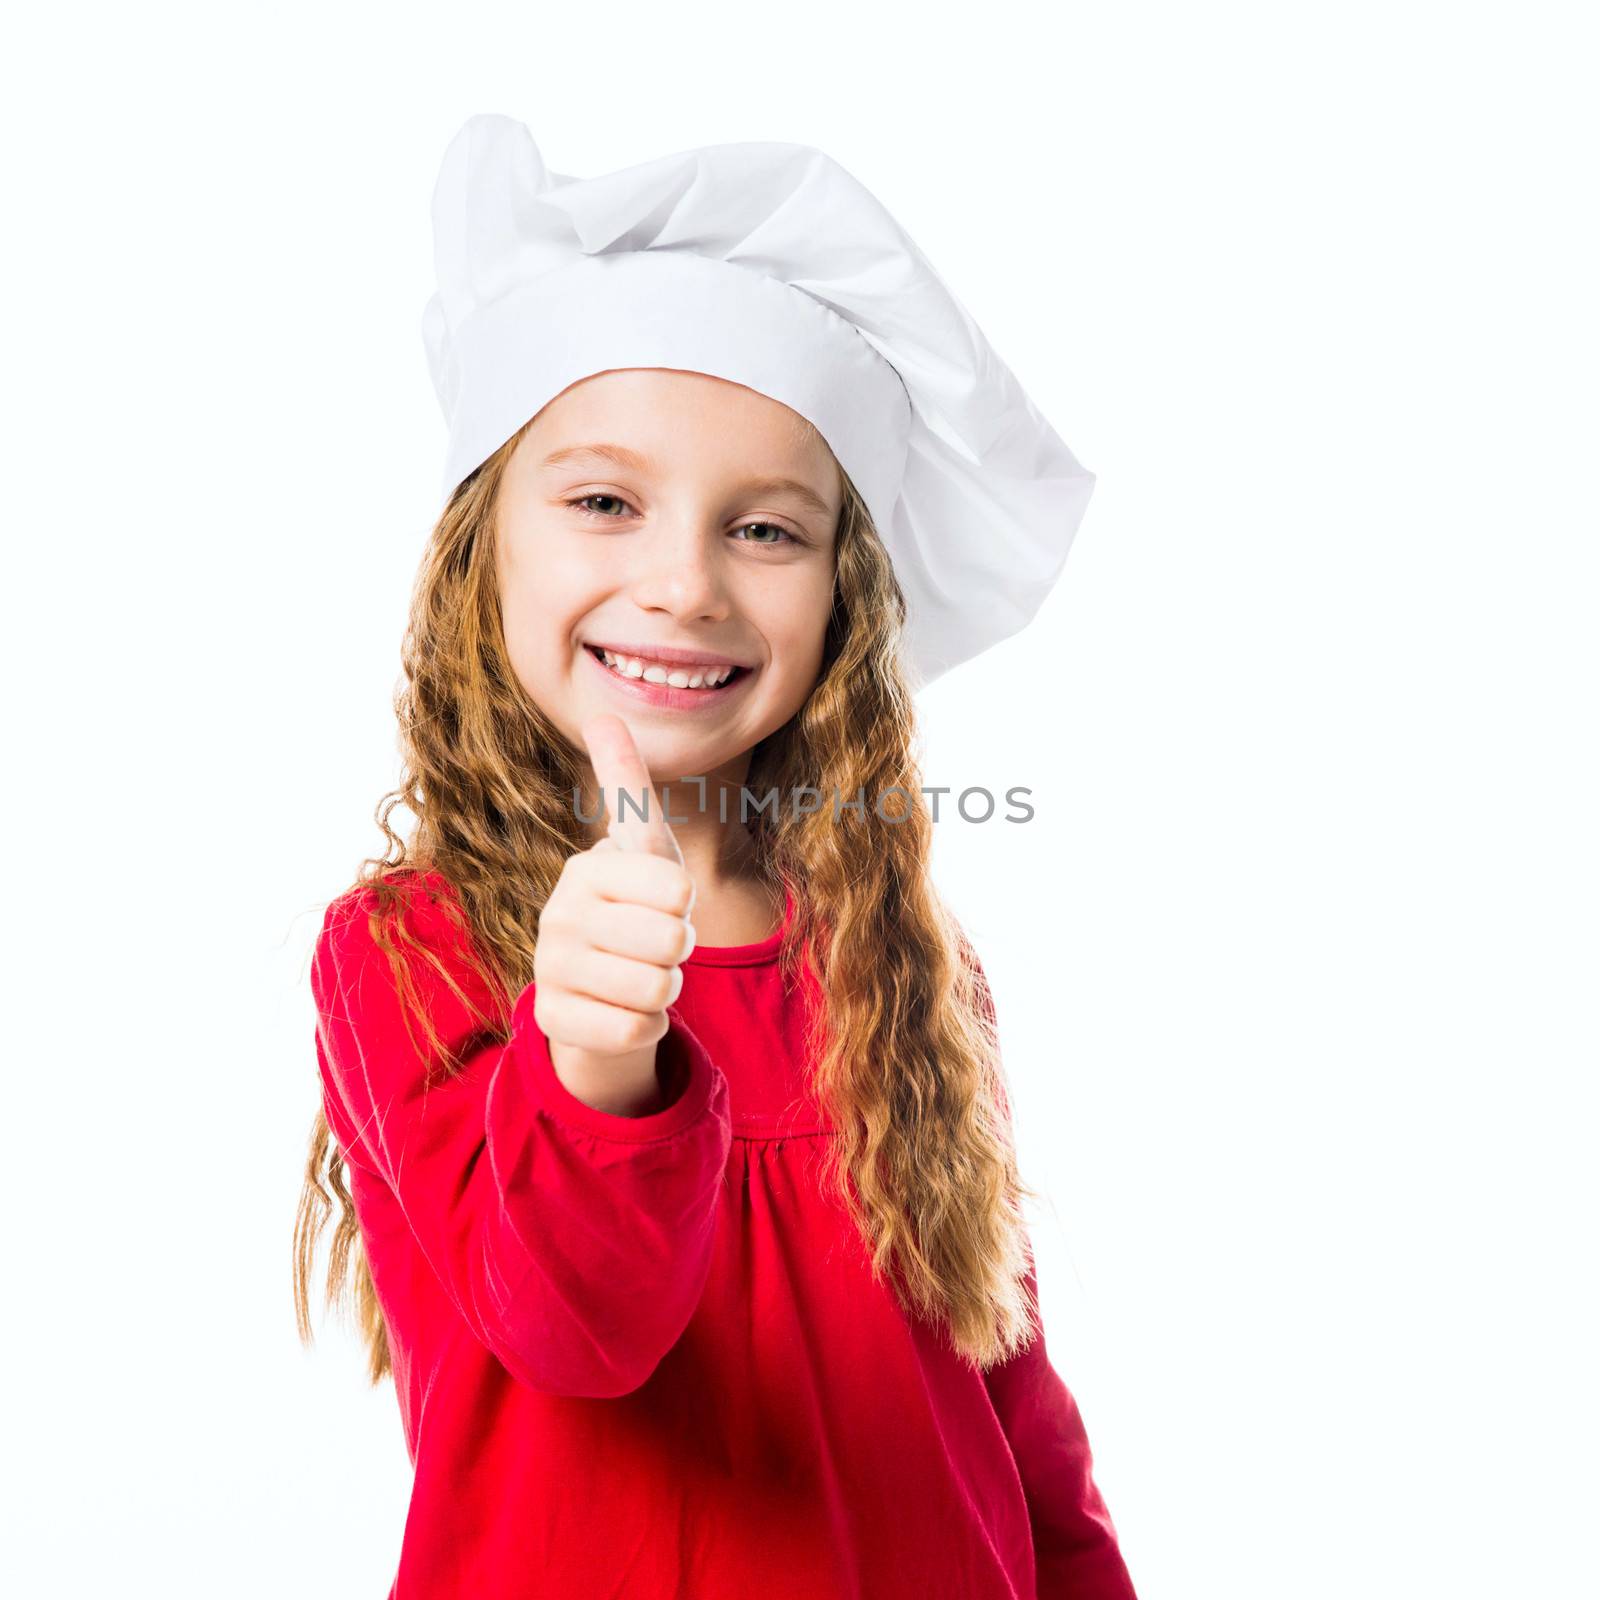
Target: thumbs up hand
612	937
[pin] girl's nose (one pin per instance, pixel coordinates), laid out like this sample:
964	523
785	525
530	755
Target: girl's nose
679	567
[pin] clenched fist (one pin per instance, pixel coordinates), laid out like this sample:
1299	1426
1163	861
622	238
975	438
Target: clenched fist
611	939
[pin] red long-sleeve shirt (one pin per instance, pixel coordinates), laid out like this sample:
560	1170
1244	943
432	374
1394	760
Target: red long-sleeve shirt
644	1357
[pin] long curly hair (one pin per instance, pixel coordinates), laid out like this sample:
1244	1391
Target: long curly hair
907	1061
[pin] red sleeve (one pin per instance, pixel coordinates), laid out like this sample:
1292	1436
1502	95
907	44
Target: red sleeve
1074	1540
575	1243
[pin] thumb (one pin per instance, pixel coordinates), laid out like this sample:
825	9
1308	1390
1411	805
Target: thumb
637	818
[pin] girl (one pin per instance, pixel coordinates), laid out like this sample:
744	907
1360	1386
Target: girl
660	1091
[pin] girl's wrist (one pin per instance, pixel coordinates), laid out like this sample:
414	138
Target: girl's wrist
622	1086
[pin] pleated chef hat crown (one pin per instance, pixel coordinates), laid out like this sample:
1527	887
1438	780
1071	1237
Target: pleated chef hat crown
769	265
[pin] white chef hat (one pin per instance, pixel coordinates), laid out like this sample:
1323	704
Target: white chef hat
769	265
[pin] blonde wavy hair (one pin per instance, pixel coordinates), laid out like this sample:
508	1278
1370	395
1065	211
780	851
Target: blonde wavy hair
907	1066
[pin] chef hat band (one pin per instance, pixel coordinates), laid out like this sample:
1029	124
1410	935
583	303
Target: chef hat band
771	266
667	308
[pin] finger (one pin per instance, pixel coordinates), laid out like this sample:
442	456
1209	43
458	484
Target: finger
605	1029
637	820
642	880
640	932
617	980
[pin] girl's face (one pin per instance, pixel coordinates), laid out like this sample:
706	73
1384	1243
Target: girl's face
652	509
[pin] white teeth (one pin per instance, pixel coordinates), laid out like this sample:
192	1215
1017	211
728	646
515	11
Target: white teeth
655	672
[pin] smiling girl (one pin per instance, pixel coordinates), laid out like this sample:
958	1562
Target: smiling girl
667	1124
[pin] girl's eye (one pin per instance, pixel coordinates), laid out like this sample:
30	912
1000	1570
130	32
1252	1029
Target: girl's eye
582	504
772	527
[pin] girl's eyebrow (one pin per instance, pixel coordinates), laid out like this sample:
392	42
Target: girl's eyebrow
631	460
620	454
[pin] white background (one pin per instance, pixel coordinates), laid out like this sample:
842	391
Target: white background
1295	966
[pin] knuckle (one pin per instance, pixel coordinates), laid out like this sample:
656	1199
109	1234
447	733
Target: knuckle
553	917
551	948
680	888
548	1014
622	1030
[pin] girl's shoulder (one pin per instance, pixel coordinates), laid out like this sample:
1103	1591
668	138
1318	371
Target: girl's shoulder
404	926
417	900
418	890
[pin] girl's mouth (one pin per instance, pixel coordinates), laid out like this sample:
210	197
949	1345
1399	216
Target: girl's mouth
681	688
